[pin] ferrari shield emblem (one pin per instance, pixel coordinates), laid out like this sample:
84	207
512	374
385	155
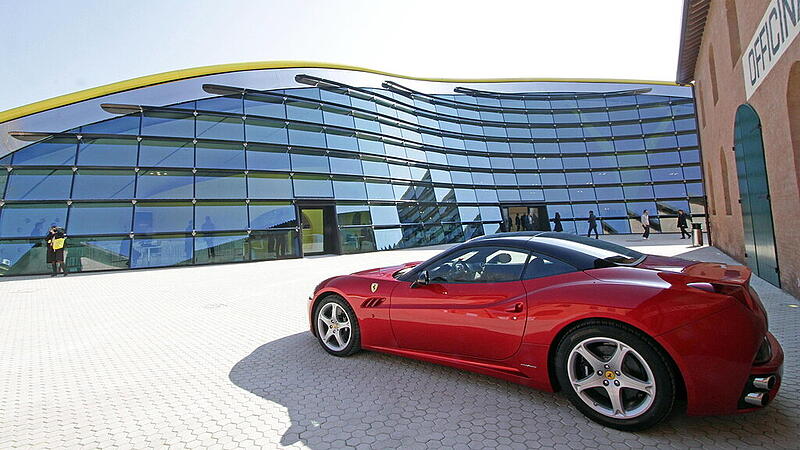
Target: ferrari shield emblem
373	287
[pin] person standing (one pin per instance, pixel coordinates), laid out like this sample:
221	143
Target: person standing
557	223
593	226
646	224
529	220
56	240
518	222
683	224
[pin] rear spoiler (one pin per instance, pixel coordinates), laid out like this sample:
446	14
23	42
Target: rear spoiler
720	272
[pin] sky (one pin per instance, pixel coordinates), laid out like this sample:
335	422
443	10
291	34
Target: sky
54	47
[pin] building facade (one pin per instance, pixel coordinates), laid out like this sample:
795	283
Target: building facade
279	160
744	58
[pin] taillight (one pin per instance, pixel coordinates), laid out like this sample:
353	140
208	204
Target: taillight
764	353
736	291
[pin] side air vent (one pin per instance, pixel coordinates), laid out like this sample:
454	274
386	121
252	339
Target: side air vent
372	302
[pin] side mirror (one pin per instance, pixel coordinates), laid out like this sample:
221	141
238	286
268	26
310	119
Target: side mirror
422	279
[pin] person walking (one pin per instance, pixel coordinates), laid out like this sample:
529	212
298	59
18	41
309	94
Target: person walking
593	226
557	223
645	224
683	224
56	240
518	222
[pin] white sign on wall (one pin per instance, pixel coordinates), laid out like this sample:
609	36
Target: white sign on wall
776	31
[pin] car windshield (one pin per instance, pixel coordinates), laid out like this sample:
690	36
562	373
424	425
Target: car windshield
596	248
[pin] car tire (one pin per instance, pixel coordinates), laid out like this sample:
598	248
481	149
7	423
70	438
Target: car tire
343	340
642	381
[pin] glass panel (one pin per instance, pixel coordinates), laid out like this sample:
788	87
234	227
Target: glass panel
341	140
219	155
107	152
98	253
469	213
23	257
347	166
39	184
357	240
380	191
220	185
231	104
152	217
173	124
384	215
31	220
267	131
266	157
3	178
388	239
166	153
670	190
50	152
165	184
310	162
353	215
100	218
128	124
220	216
306	135
264	185
93	184
211	249
348	189
265	215
312	186
220	127
303	111
161	251
265	245
490	213
264	106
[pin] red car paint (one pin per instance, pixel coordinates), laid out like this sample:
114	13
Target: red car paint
508	330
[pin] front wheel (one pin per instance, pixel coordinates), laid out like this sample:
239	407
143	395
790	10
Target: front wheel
615	376
337	326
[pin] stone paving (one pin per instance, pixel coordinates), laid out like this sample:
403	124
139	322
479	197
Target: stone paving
219	357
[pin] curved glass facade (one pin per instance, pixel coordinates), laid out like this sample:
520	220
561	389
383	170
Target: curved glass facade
253	172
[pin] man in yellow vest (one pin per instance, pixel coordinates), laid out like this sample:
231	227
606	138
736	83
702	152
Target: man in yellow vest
56	241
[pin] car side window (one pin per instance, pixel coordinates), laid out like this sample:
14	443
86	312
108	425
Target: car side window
541	266
479	265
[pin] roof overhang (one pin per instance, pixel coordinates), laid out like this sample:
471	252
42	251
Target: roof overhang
176	75
694	23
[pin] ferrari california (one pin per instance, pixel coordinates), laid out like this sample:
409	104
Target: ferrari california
623	334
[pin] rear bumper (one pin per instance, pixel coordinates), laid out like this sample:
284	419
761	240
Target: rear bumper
715	358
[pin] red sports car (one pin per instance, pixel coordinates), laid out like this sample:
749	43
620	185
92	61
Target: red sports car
622	333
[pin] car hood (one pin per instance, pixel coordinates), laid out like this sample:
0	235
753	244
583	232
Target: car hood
385	272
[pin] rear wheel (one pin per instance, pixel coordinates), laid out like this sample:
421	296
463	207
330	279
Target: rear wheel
615	376
337	326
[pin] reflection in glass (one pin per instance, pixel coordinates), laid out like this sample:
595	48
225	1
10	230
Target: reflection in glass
357	239
100	184
163	217
49	152
220	216
31	219
220	248
219	155
166	153
107	152
267	185
265	245
215	184
100	218
169	184
159	251
97	253
39	184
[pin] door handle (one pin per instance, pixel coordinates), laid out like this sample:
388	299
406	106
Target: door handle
515	308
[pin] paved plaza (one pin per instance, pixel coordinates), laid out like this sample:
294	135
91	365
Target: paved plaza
220	357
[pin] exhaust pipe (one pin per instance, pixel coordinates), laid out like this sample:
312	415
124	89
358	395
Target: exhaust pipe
756	398
764	383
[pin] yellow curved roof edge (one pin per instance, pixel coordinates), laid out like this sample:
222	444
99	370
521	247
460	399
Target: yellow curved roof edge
175	75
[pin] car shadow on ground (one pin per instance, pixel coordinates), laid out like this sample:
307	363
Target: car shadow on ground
386	401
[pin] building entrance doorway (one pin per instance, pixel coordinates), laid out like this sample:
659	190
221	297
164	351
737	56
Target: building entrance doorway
318	229
525	218
759	237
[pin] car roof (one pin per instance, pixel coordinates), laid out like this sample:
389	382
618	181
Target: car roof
532	240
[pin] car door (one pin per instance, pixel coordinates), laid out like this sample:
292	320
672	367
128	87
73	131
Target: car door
474	305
